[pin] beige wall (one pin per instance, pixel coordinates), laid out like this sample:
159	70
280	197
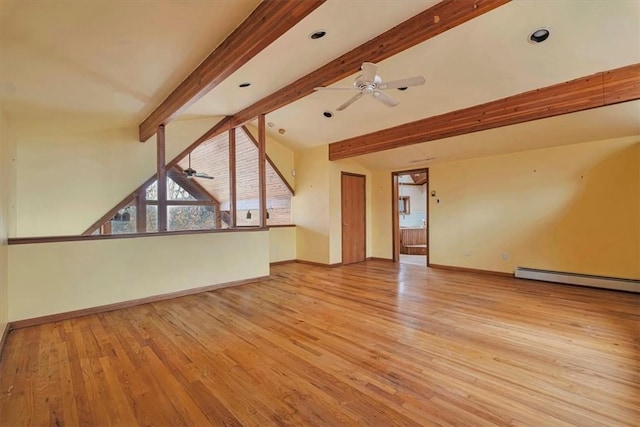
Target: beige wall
317	205
282	244
310	206
5	186
381	221
572	208
67	179
50	278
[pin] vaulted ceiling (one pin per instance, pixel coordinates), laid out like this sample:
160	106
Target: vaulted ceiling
108	63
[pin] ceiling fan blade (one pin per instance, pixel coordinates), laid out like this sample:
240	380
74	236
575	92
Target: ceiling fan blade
385	99
369	71
335	88
202	175
412	81
349	102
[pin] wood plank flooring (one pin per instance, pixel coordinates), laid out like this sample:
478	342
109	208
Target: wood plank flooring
375	344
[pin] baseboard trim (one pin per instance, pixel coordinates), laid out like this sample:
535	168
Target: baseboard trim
3	339
126	304
318	264
289	261
374	258
471	270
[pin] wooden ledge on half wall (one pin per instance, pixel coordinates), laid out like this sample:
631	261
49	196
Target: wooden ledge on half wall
80	238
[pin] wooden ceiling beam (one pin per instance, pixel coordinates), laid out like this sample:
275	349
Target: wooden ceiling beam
270	20
437	19
597	90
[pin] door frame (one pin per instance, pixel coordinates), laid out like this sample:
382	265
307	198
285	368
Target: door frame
364	218
395	215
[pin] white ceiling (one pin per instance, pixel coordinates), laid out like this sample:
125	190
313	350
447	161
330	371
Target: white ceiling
113	62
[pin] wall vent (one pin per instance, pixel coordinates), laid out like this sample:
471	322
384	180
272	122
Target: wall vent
629	285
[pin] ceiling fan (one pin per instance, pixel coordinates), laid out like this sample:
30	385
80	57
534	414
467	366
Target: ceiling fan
191	173
370	83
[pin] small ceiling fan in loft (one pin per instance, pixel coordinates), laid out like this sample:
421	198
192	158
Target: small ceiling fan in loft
370	83
191	173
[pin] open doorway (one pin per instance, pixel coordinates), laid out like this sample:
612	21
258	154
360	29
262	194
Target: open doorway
410	216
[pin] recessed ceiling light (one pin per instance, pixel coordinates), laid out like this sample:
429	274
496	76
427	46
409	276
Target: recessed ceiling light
245	84
281	131
317	34
403	88
328	114
270	124
539	35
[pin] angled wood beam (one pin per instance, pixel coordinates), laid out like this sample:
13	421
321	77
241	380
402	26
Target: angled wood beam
273	165
424	26
270	20
597	90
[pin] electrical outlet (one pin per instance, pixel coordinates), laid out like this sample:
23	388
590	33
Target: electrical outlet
468	253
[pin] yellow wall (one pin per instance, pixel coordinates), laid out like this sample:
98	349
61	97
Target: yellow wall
381	221
5	167
50	278
282	244
317	205
572	208
310	206
66	179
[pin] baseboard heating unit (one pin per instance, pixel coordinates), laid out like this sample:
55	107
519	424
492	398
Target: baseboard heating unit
629	285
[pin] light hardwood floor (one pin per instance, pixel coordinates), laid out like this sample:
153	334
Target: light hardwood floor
375	344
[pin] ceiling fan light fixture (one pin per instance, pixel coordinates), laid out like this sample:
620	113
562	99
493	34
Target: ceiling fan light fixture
539	35
318	34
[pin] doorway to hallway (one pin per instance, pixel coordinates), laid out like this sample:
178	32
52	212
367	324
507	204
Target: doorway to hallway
410	216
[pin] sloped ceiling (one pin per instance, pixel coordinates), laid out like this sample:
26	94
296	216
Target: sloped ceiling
113	62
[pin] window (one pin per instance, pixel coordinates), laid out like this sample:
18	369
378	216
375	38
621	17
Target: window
403	205
200	203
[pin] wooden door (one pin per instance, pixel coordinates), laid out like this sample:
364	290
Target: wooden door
353	218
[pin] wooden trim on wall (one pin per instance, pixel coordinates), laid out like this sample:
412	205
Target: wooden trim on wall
3	337
471	270
597	90
83	238
374	258
268	21
126	304
318	264
273	165
289	261
439	18
281	225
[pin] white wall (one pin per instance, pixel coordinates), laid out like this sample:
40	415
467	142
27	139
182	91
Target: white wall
50	278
